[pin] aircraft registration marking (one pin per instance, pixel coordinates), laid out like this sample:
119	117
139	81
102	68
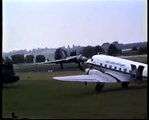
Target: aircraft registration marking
115	63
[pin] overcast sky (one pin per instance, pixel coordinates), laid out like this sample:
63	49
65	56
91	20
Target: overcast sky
29	24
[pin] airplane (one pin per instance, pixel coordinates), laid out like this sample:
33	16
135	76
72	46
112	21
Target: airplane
108	69
71	59
8	74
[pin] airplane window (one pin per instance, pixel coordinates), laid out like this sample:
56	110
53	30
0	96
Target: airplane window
125	69
91	59
110	66
115	68
105	65
120	69
101	64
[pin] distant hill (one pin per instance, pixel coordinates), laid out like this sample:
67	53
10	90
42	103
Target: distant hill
105	46
130	45
49	52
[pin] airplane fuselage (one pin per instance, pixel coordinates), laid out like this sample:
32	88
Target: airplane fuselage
115	64
108	69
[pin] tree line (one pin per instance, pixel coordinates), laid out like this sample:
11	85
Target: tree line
87	51
20	58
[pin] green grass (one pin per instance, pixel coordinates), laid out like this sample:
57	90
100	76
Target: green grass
138	58
37	95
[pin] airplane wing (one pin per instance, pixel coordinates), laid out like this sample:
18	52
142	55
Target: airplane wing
61	60
77	78
52	61
55	61
66	60
104	78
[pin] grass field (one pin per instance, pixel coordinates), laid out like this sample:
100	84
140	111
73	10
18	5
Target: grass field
37	95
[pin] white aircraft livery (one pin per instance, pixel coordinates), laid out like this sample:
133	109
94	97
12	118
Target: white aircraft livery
108	69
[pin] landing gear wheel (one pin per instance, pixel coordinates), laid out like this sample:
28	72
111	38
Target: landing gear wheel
98	87
125	84
85	83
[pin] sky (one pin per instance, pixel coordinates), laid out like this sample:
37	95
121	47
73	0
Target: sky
29	24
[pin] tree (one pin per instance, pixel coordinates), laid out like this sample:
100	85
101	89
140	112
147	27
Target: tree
60	54
18	58
29	58
142	50
119	52
73	53
89	51
113	50
40	58
134	49
99	49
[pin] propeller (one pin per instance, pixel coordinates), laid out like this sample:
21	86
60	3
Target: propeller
81	59
87	70
81	68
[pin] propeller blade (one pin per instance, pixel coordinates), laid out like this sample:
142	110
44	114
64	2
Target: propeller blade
82	69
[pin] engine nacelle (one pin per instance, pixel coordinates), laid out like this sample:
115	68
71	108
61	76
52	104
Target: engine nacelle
81	58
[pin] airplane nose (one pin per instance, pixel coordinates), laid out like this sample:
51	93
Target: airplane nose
84	58
88	61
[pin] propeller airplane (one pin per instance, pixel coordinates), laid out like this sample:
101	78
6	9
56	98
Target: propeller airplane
108	69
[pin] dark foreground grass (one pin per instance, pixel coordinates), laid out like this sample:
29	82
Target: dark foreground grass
37	95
